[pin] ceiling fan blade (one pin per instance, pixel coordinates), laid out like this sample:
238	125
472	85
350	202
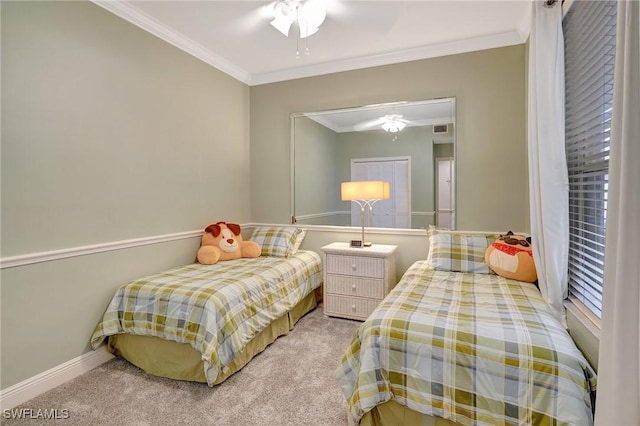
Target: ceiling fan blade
248	18
368	124
364	16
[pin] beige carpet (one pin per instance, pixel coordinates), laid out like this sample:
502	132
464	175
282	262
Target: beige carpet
290	383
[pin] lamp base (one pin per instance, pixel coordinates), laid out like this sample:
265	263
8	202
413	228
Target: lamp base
360	243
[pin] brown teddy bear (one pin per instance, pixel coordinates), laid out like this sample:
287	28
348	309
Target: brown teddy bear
222	241
511	256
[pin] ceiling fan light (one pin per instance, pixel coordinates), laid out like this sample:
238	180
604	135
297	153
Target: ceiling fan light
393	123
284	8
314	12
311	14
282	24
391	127
283	16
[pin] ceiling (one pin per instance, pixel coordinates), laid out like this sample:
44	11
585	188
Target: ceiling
423	113
236	38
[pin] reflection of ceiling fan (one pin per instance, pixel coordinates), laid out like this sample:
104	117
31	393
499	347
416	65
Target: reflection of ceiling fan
391	123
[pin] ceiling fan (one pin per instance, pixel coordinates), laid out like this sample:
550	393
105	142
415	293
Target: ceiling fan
391	123
301	19
308	14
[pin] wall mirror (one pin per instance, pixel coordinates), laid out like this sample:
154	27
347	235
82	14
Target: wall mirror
409	144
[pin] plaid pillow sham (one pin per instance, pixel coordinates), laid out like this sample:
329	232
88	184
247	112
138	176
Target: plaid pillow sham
278	241
458	252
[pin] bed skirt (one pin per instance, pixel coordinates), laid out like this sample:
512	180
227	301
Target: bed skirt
392	413
180	361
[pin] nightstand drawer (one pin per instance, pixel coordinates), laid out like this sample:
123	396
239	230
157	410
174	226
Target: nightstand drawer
352	307
355	265
355	286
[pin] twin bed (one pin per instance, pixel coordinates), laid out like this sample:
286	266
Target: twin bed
451	344
205	322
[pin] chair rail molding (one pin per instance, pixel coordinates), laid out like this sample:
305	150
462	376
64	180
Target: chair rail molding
46	256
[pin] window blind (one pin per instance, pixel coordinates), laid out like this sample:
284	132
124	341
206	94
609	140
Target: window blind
589	39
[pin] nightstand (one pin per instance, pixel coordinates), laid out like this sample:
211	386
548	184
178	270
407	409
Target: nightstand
357	279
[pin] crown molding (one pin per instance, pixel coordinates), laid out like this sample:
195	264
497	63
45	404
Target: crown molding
524	26
424	52
130	13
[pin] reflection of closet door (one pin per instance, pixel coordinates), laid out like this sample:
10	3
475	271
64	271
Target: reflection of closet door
396	211
445	201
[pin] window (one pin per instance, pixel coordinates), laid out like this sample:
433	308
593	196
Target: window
589	37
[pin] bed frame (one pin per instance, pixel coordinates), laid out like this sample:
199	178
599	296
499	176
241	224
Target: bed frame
180	361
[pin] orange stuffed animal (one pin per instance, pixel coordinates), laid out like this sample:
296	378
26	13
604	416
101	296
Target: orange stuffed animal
511	256
222	241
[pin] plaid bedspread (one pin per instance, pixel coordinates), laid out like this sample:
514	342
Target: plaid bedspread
476	349
217	309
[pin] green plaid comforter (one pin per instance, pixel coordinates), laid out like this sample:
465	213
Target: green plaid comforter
476	349
217	309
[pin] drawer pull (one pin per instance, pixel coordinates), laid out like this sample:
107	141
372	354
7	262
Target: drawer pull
353	266
353	307
353	286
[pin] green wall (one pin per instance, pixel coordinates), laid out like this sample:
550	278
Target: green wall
108	134
111	134
489	87
316	175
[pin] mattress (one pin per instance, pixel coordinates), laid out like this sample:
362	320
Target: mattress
474	349
215	309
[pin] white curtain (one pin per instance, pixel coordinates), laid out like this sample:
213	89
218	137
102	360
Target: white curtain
548	179
618	400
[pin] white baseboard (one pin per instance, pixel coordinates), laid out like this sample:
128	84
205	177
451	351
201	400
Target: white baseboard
34	386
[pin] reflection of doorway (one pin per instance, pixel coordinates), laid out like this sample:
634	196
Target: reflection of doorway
445	190
396	211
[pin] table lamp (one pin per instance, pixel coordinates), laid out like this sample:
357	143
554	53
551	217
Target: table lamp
365	193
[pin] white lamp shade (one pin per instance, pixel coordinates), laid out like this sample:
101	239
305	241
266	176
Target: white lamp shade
365	190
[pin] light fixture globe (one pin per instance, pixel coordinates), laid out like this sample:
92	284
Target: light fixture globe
309	15
284	14
393	123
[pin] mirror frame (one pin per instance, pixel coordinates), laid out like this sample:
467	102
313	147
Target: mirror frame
292	155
